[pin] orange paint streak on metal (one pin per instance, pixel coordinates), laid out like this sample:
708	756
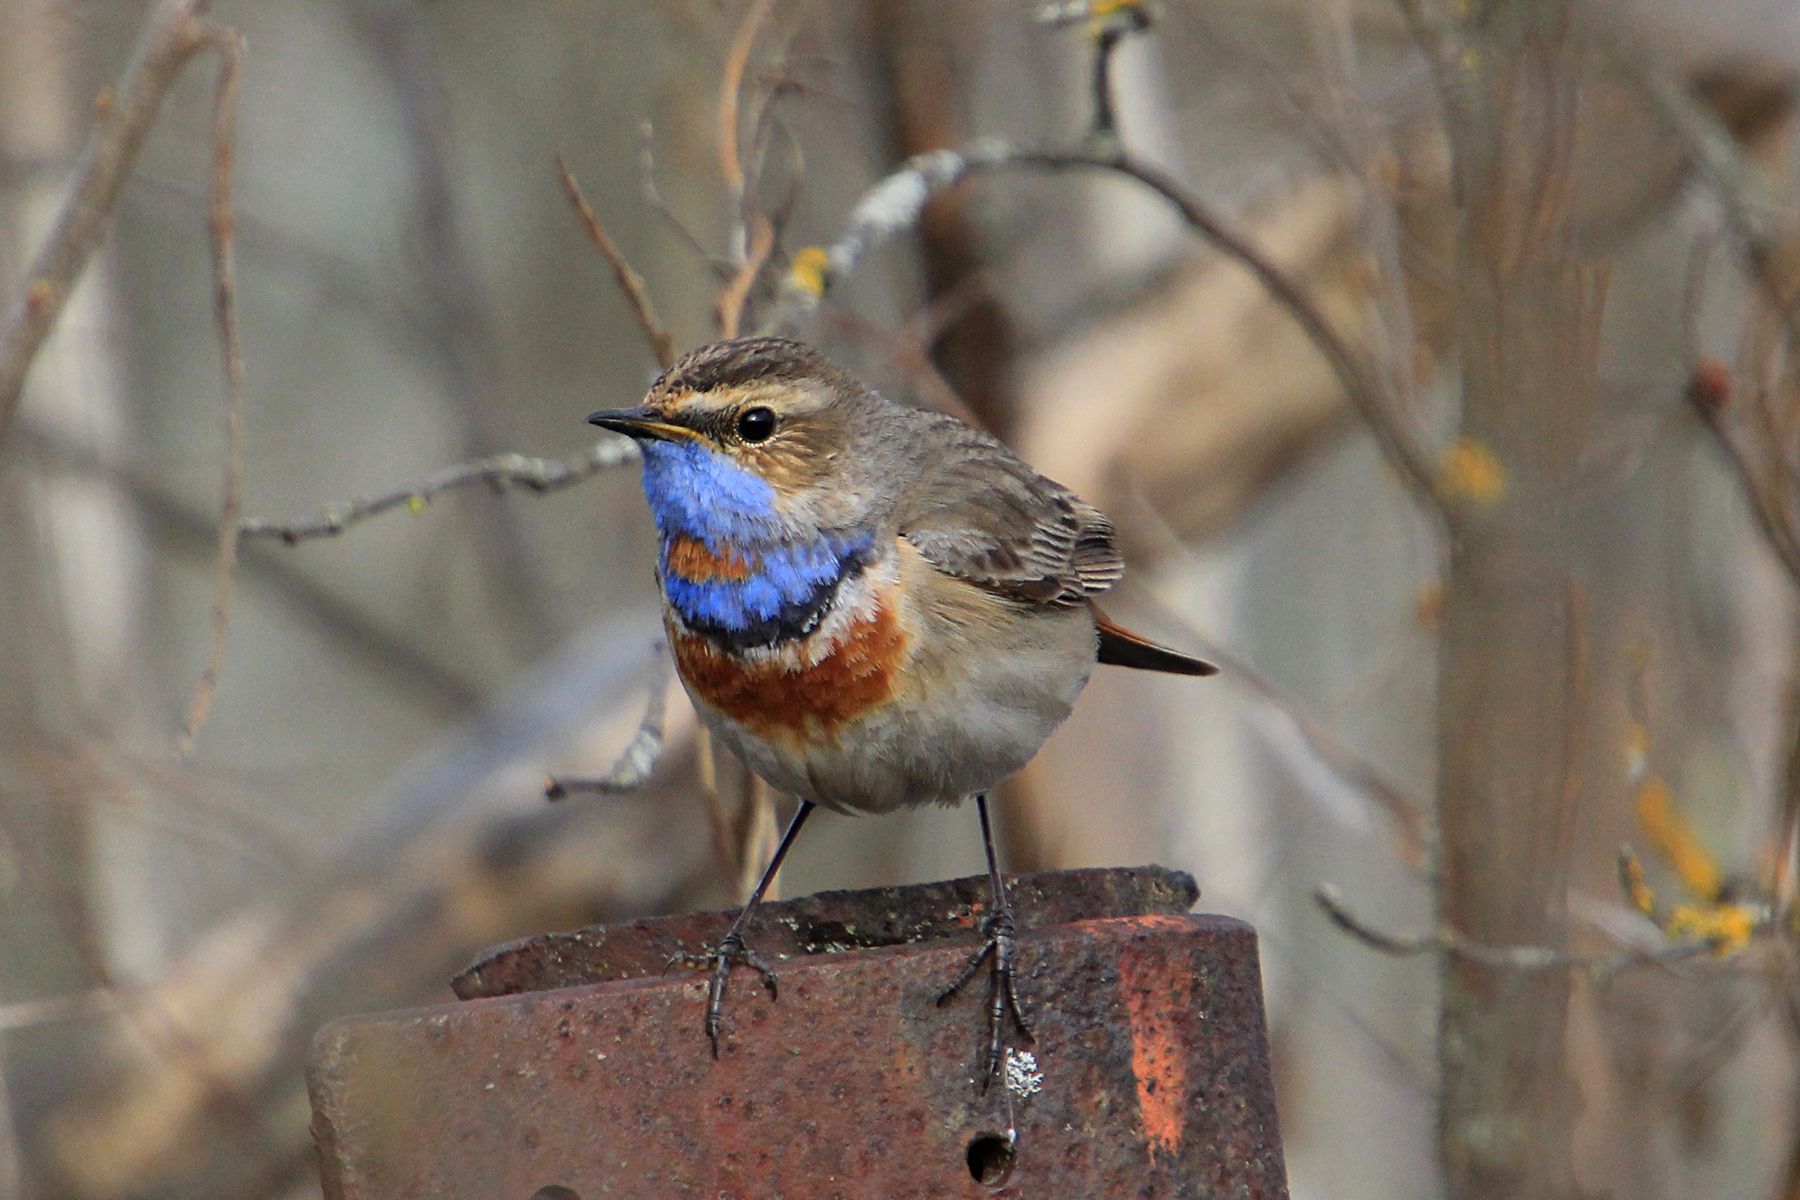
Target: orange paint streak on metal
1159	1051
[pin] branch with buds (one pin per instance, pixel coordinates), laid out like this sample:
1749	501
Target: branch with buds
896	203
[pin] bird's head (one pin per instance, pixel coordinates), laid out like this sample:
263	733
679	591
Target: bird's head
758	438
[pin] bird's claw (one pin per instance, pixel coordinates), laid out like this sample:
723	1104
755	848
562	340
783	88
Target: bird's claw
731	949
1000	950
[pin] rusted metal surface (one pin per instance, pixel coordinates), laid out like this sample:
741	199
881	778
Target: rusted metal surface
825	923
1155	1077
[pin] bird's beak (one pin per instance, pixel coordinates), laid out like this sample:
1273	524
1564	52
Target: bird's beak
640	423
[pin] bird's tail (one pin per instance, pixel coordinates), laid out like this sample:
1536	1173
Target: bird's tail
1120	647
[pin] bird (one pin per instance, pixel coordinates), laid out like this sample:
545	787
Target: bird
874	606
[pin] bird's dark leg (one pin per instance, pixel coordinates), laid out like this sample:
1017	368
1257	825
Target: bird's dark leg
731	947
999	949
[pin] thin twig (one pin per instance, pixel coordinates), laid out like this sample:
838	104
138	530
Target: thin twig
637	760
412	883
706	773
454	302
1361	387
1412	832
756	835
500	472
176	527
1331	902
1519	958
172	34
765	125
174	1048
1110	29
732	297
909	347
731	166
654	198
631	284
220	219
778	82
509	470
1745	195
894	204
781	214
1443	54
540	475
1709	394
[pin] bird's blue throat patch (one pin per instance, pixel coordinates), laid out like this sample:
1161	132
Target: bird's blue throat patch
700	493
782	581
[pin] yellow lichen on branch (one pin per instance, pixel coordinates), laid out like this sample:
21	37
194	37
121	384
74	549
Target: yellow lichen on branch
807	272
1470	471
1711	915
1728	927
1674	841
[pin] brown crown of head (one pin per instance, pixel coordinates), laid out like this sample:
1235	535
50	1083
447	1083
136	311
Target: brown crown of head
744	362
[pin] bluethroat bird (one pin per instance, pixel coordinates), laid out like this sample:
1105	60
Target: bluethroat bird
872	605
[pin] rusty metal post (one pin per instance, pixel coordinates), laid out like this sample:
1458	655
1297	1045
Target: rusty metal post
576	1069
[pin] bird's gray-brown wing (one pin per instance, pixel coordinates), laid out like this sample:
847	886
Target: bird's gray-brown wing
977	512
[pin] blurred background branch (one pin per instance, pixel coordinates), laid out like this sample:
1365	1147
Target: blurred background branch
173	32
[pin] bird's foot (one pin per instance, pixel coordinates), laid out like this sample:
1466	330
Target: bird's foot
731	949
999	951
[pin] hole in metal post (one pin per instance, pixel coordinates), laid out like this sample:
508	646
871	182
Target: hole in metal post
990	1158
555	1191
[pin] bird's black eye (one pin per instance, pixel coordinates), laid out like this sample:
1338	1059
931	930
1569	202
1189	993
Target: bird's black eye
756	424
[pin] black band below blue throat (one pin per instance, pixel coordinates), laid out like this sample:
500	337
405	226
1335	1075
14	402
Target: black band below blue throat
737	615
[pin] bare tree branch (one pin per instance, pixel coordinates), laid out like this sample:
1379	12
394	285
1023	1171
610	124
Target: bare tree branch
895	203
1111	25
221	221
1519	958
729	307
172	34
631	284
434	872
654	198
509	470
640	756
440	686
1709	394
1412	833
454	301
731	165
500	472
1751	208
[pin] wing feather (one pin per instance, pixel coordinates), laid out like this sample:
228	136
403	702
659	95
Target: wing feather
977	512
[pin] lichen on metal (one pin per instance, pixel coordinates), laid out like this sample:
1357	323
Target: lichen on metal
1023	1079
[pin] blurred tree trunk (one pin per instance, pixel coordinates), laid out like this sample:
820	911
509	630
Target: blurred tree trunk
1514	639
69	553
68	579
923	56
